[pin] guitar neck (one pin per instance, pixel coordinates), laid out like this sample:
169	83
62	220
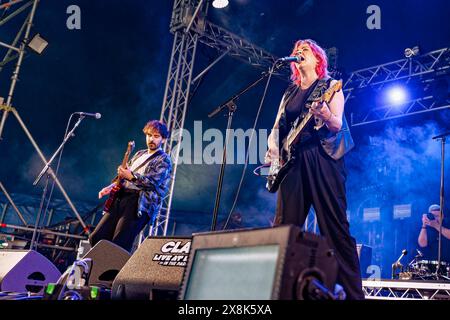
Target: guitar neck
125	160
292	137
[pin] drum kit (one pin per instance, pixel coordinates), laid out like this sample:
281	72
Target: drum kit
425	270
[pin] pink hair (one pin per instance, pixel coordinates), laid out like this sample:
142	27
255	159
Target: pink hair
319	53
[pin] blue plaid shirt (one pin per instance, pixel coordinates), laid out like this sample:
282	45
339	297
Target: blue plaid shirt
153	184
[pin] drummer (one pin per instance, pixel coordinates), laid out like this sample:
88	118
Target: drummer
429	235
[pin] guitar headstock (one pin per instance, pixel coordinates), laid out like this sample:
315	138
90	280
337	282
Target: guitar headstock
329	93
130	148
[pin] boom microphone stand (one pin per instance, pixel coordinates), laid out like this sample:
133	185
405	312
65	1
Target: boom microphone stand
441	137
44	170
231	105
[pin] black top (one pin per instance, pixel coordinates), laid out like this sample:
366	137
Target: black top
295	107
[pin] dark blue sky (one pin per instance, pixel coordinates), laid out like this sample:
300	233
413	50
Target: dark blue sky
117	65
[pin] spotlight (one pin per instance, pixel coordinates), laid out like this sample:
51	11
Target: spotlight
220	4
397	95
38	44
411	52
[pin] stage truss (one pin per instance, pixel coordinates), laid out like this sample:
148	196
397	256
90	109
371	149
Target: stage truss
406	290
425	68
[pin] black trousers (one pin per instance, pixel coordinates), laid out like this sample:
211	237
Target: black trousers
122	224
317	179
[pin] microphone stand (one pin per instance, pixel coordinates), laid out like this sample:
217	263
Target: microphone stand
441	137
47	165
43	171
231	106
397	265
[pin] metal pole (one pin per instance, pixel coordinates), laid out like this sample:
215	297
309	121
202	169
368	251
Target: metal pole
56	247
8	4
210	66
194	16
231	110
13	204
5	209
9	46
441	204
15	13
50	170
44	231
15	76
7	57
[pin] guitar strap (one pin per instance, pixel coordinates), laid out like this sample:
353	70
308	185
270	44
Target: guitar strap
320	88
148	159
143	163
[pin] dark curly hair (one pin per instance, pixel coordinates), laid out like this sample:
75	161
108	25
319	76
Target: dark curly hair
158	126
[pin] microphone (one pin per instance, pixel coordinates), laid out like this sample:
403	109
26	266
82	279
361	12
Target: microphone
441	135
291	59
404	253
86	114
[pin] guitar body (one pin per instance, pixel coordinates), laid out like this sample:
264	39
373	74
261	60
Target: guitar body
118	183
112	196
278	170
277	173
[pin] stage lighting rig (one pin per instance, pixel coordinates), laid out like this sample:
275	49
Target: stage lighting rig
412	52
220	4
37	44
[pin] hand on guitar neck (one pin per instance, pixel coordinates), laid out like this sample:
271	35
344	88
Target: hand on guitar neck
124	173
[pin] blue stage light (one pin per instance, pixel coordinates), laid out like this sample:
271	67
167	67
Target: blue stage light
397	95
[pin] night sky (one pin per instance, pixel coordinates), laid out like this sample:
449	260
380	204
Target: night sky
117	65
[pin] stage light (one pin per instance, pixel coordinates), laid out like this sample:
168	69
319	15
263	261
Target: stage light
220	4
397	95
411	52
38	44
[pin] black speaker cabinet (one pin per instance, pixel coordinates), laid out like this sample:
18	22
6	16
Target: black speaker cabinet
154	271
259	264
26	271
107	260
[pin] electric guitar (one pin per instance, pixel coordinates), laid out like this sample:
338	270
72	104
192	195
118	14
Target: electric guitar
279	168
118	183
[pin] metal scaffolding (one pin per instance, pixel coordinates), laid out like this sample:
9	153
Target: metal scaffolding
56	232
23	38
423	69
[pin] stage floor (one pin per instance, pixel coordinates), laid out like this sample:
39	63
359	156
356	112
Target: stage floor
387	289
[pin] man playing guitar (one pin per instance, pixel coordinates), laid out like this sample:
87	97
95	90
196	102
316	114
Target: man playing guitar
136	194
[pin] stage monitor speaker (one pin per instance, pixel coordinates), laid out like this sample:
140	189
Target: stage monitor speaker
365	258
154	271
26	271
280	263
107	260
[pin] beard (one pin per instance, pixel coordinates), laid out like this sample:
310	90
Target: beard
153	146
